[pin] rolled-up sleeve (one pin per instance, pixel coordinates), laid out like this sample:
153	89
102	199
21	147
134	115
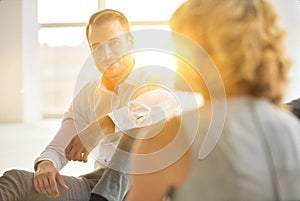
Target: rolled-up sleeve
55	151
75	119
147	109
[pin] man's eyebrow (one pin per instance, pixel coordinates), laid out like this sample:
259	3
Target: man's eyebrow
93	45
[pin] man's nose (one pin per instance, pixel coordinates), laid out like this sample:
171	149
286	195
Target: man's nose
108	52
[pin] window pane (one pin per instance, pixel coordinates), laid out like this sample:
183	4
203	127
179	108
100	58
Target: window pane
61	59
137	10
62	11
141	27
62	36
150	57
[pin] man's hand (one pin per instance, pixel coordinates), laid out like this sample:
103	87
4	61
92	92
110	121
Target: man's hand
75	151
84	142
45	179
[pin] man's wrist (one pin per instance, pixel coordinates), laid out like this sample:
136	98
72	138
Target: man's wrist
42	163
106	124
91	135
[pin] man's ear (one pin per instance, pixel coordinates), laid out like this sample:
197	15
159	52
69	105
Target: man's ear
130	40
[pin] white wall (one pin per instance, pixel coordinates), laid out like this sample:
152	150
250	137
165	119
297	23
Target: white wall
289	13
10	61
19	74
30	62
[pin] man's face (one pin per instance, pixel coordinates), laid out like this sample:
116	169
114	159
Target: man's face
108	43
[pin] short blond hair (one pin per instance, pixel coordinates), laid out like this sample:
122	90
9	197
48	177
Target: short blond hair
243	39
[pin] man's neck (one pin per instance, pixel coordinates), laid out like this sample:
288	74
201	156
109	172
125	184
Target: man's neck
112	82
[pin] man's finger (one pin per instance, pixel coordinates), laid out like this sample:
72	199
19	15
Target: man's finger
53	187
41	186
85	155
68	149
36	185
61	182
77	155
46	187
70	152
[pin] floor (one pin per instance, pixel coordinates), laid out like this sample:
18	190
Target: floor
20	144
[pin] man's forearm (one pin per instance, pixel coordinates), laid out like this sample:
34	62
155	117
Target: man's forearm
106	124
55	151
146	109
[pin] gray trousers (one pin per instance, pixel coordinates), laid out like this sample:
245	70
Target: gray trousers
17	185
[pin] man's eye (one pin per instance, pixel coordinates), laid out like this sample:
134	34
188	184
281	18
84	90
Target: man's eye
115	44
99	49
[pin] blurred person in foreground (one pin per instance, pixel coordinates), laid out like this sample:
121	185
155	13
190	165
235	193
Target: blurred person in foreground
257	154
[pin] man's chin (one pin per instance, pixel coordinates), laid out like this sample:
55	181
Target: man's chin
103	67
114	70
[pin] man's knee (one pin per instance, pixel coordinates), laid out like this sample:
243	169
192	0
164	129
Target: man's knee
14	173
17	178
14	183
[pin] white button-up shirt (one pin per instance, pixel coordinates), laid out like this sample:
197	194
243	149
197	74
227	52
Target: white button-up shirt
94	101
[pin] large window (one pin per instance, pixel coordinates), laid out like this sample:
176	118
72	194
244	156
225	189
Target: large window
145	12
63	50
63	47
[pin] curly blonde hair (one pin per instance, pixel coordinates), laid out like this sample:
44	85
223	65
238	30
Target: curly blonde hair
243	39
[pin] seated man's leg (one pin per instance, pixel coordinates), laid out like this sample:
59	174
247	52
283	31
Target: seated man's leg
114	184
17	185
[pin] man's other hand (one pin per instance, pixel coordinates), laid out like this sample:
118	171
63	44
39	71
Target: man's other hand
75	151
46	178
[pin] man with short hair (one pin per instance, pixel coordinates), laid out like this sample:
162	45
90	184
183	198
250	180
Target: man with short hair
109	40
